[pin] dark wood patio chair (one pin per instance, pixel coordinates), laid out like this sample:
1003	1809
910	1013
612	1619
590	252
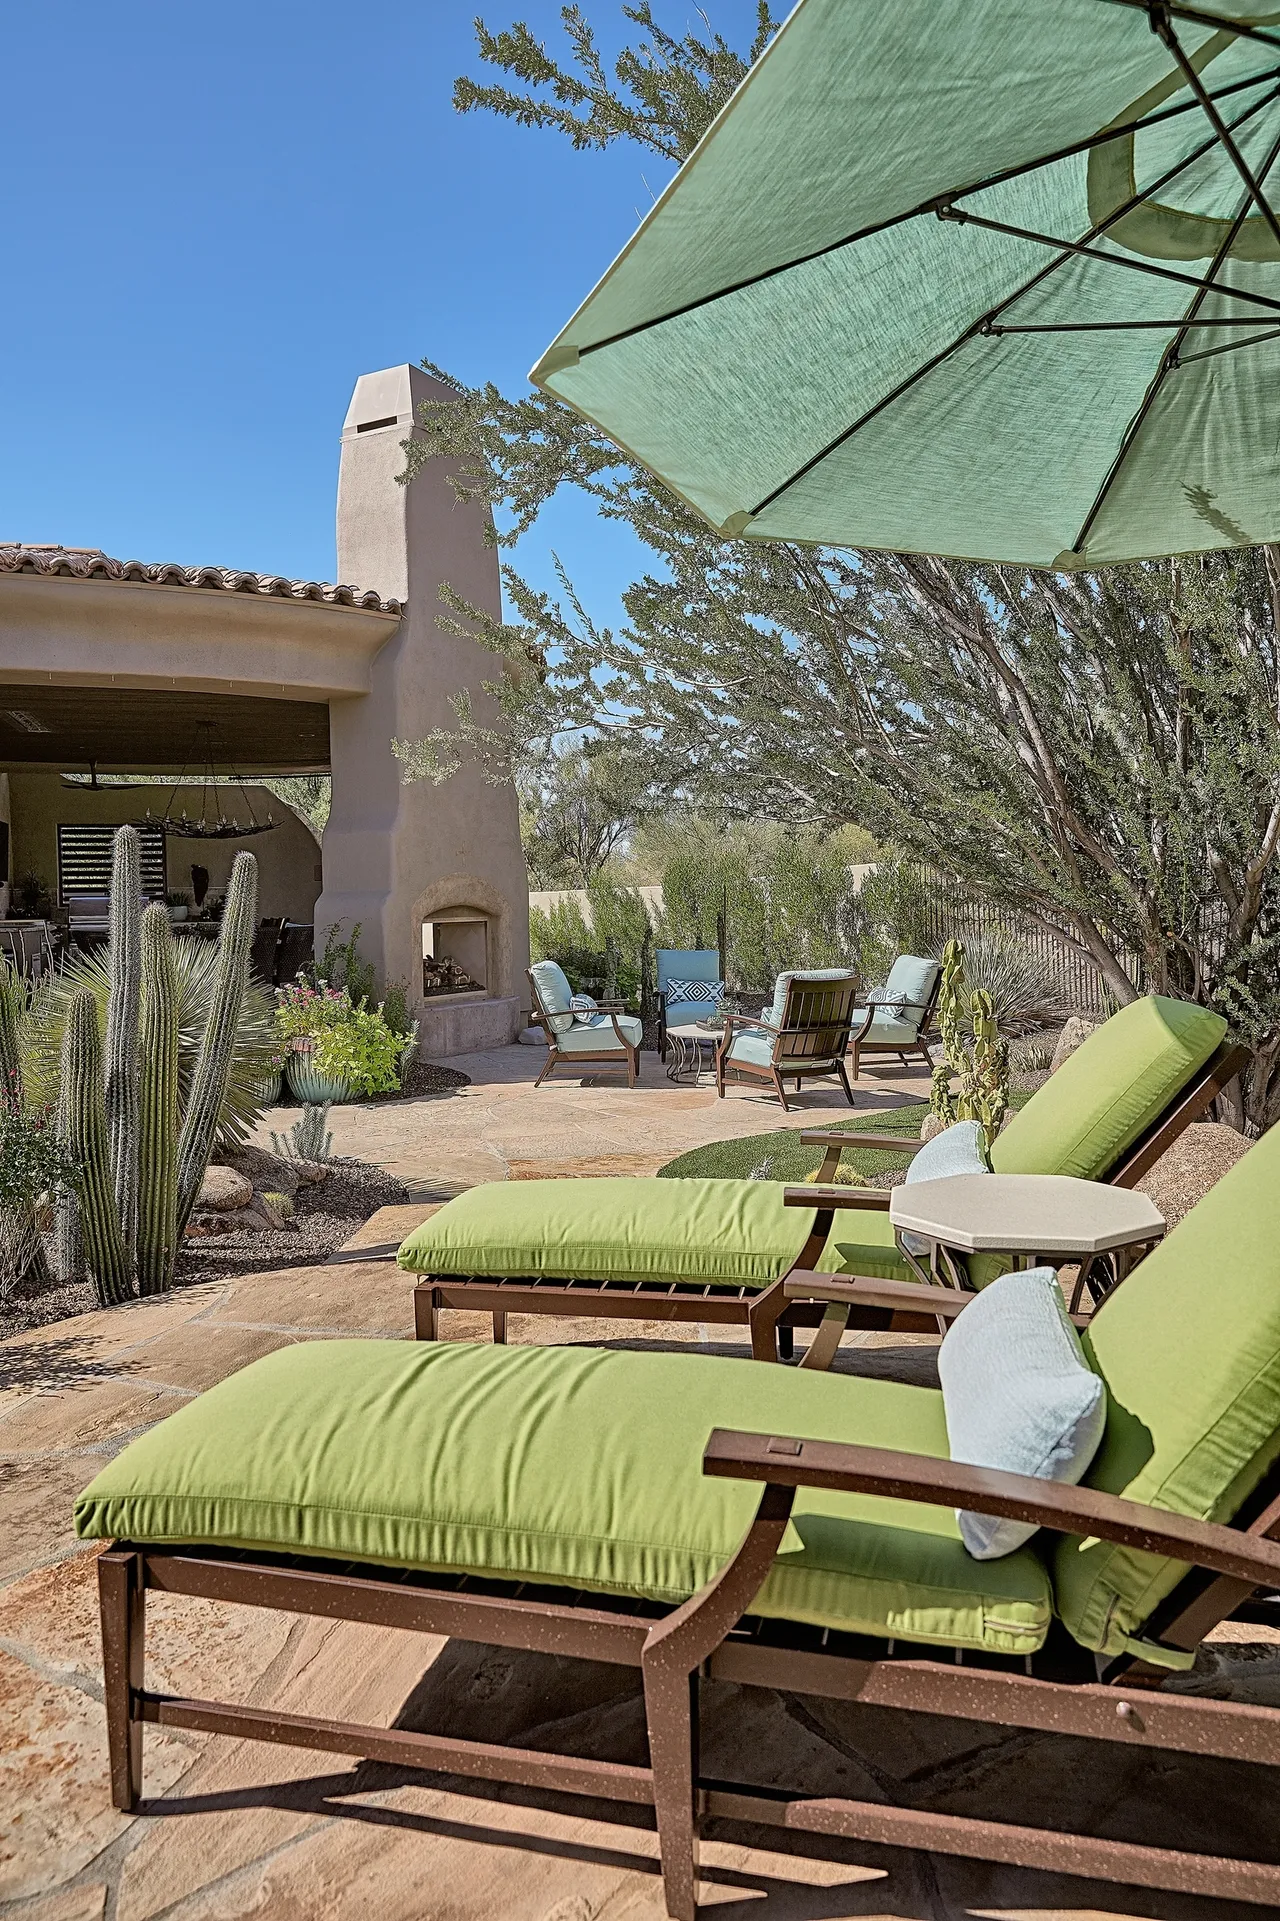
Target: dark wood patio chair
805	1035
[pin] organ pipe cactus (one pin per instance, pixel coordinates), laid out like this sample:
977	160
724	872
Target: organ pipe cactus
124	942
12	1003
158	1112
143	1177
86	1135
213	1064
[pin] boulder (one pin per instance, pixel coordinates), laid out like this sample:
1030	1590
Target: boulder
1074	1035
930	1127
224	1190
268	1173
532	1037
202	1227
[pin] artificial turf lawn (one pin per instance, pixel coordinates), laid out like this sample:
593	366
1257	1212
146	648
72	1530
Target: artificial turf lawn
790	1161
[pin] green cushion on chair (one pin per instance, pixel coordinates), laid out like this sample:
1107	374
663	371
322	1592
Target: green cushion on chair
734	1233
1109	1091
568	1465
1189	1348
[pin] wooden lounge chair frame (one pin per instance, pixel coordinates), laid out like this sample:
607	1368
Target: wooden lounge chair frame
555	1058
859	1045
1057	1691
811	1040
774	1311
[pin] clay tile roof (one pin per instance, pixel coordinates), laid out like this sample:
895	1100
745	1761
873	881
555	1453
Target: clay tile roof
88	563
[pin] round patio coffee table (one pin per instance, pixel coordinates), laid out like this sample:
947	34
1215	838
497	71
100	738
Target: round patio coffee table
692	1049
1034	1219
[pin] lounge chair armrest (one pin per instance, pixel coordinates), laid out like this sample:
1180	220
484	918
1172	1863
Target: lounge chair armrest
867	1200
788	1462
611	1007
834	1137
863	1290
749	1020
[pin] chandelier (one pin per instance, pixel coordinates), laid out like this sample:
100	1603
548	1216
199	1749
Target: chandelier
213	821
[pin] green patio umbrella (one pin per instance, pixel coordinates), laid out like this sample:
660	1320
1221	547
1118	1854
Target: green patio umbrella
987	278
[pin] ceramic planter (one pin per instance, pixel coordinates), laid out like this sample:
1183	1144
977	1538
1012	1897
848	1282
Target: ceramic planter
307	1084
267	1091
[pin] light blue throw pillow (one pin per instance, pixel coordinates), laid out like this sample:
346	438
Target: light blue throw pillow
957	1150
1018	1395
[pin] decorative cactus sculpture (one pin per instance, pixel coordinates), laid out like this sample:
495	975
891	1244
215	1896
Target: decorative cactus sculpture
143	1175
87	1138
121	1093
158	1111
213	1063
979	1060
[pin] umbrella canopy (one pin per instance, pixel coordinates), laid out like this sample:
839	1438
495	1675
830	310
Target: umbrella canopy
986	278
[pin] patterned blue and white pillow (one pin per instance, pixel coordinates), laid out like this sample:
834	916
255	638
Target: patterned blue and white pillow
696	993
583	1009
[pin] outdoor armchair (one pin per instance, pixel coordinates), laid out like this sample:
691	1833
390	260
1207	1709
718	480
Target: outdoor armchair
718	1251
844	1576
607	1034
805	1033
679	968
896	1017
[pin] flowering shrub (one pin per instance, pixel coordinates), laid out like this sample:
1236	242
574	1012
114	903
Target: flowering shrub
33	1161
346	1043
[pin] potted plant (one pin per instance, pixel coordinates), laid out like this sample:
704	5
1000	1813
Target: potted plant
268	1090
305	1017
177	905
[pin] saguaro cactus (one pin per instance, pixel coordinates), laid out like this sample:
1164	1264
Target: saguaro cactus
122	1029
158	1113
84	1109
213	1063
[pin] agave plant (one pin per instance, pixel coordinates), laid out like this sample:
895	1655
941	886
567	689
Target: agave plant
1025	995
196	966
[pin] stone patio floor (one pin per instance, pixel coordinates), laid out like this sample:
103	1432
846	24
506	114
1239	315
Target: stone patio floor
229	1829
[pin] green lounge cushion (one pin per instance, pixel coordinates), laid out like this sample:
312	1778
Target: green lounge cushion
1189	1349
569	1465
734	1233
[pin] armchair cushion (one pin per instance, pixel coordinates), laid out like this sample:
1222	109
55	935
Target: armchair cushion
957	1150
1019	1395
910	983
700	994
554	994
570	1465
886	1029
590	1032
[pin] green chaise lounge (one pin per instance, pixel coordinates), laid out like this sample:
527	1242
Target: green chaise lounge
583	1502
720	1250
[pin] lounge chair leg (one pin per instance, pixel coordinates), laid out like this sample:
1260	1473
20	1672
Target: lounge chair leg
671	1709
122	1602
844	1081
426	1309
786	1343
853	1056
763	1315
499	1328
782	1092
633	1068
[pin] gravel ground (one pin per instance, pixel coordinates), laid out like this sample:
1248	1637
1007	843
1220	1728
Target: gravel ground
326	1214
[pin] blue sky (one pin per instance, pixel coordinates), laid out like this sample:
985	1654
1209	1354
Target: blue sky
217	217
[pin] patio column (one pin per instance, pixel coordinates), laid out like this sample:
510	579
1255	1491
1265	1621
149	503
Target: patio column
396	855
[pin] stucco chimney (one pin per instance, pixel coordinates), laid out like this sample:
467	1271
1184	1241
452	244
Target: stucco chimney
395	856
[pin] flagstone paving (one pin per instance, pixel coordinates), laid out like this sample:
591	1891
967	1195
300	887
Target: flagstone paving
229	1829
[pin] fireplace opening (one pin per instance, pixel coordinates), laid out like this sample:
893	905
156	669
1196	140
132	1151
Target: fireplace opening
455	954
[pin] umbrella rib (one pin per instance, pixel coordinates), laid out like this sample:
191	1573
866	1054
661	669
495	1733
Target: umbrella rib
1199	18
1228	347
1066	251
1163	27
1169	358
1117	132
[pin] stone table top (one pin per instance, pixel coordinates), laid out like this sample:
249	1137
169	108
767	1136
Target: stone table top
1026	1213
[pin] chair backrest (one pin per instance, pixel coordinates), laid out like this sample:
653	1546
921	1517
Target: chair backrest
1189	1349
553	994
815	1010
1106	1094
686	964
912	985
